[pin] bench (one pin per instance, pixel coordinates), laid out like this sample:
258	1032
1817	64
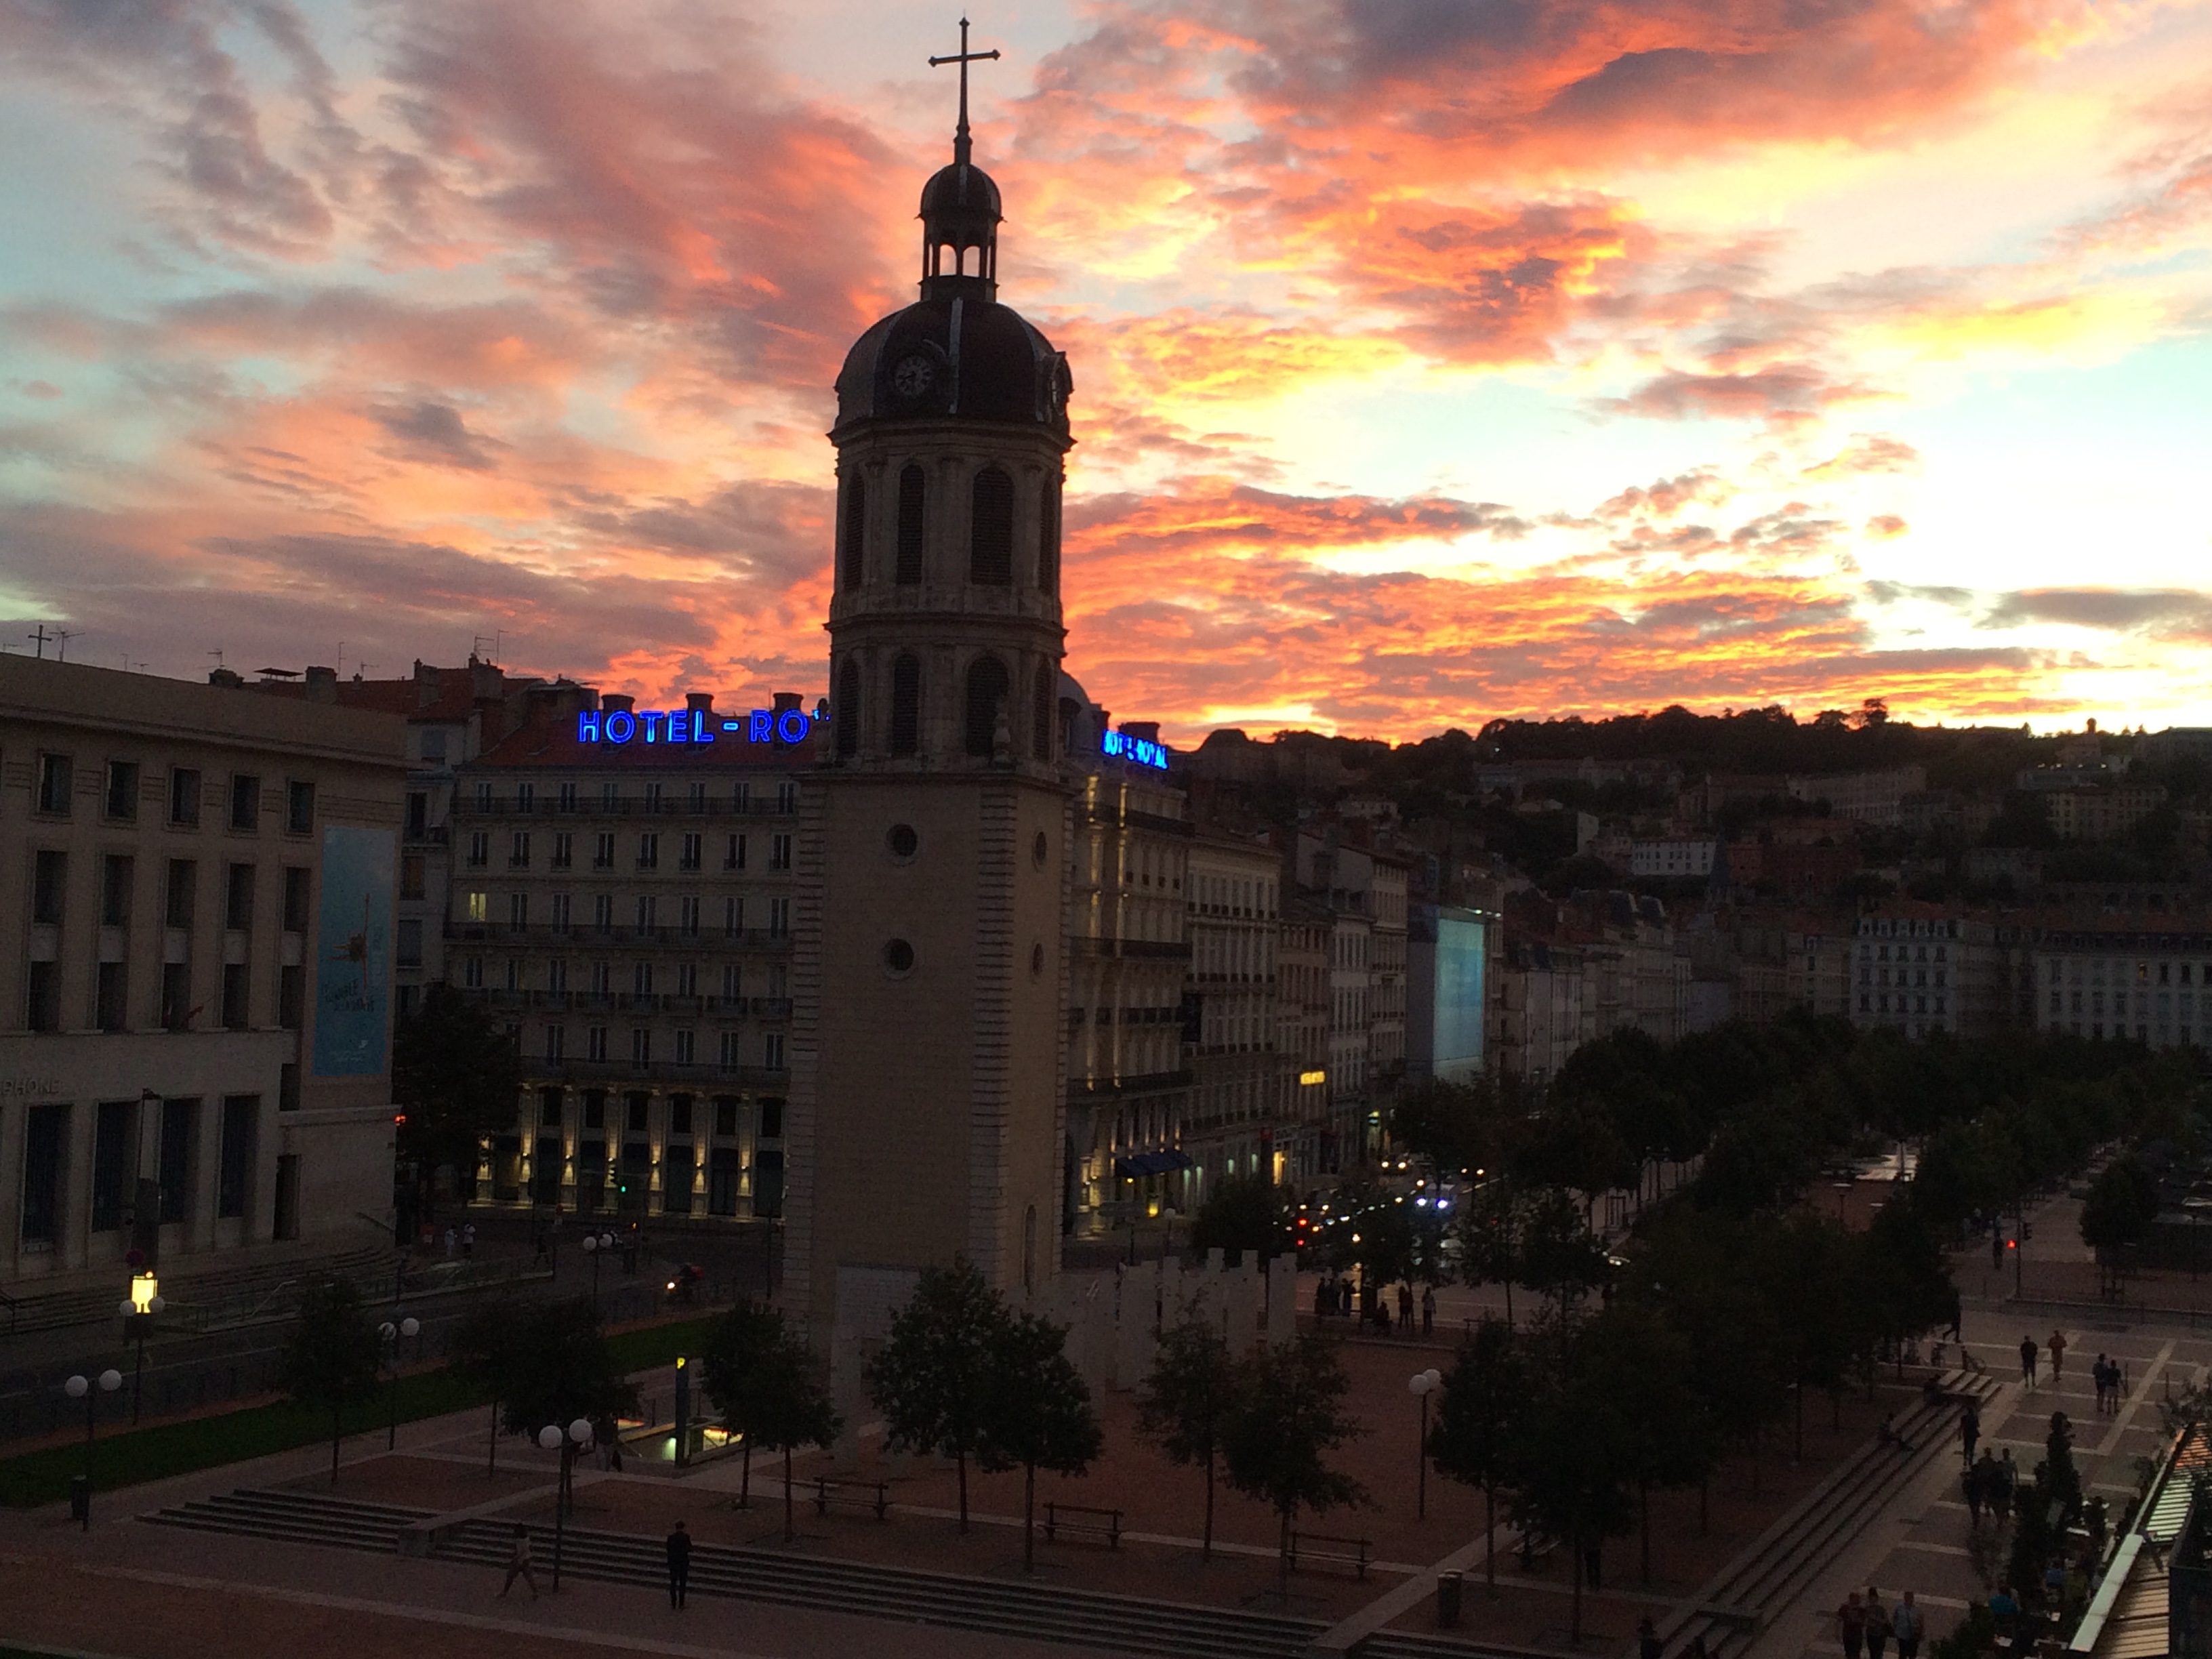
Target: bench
1355	1552
874	1495
1090	1522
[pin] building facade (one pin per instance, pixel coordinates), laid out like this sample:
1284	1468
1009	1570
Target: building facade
1242	1080
195	985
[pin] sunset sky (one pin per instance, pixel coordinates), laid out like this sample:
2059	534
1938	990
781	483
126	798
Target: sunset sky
1434	359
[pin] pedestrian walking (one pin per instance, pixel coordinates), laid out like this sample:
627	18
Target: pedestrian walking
2057	1346
2007	1479
469	1239
1406	1309
1908	1624
1997	1246
451	1238
2028	1353
680	1563
518	1564
1877	1623
1851	1627
1969	1431
1344	1296
1428	1310
1648	1644
1975	1485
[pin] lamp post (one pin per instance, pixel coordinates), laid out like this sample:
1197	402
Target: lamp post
80	1387
391	1334
1421	1386
596	1245
550	1437
138	1310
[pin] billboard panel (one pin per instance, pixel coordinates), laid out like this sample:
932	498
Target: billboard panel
353	953
1456	1009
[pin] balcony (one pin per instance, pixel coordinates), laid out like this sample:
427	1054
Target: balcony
704	1076
622	806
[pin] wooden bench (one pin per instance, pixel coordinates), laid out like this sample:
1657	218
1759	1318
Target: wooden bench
1355	1552
874	1495
1091	1522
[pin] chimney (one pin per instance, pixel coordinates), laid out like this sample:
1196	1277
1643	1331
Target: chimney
617	703
487	684
322	684
699	703
227	678
788	700
1148	730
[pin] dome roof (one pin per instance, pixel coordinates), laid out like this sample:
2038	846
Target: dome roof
957	355
961	188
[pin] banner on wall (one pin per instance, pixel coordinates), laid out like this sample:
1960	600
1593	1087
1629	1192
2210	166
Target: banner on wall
353	954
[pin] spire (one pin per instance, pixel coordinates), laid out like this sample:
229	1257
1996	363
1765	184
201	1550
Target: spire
962	146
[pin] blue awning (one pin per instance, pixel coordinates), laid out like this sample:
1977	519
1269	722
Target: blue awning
1147	1164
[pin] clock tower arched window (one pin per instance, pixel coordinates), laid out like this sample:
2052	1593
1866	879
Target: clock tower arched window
991	530
986	696
906	704
847	714
912	501
852	531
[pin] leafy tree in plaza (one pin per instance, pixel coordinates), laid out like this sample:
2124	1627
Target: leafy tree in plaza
2122	1203
1574	1461
1668	1437
1573	1144
1702	1268
930	1377
1242	1213
332	1356
1806	1265
1478	1420
1293	1416
771	1390
456	1076
1186	1404
1560	1258
1037	1413
483	1350
559	1367
1440	1121
1908	1278
1386	1245
1488	1228
735	1346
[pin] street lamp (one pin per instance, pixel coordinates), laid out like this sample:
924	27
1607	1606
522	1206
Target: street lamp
138	1311
1421	1386
550	1437
596	1245
391	1333
80	1387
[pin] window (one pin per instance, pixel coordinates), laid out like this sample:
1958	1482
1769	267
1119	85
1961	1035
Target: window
567	797
779	918
849	708
1048	687
991	529
640	1046
787	797
642	979
911	502
299	806
557	1038
987	695
292	984
741	795
1048	534
693	852
123	791
610	796
518	849
179	1118
561	913
648	912
731	1042
235	1158
184	796
602	850
109	1009
42	1000
49	880
906	704
176	996
564	850
678	1172
245	801
725	1116
114	1161
852	530
772	1051
518	913
44	1130
238	897
734	853
652	798
771	1120
418	815
297	880
734	982
478	907
595	1043
696	797
479	849
483	795
779	852
687	979
234	985
733	916
687	912
684	1047
526	796
648	852
603	912
556	977
54	785
472	973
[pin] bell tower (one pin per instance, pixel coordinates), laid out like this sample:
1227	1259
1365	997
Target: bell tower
927	1051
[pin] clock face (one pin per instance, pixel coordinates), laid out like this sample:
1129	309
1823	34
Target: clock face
914	376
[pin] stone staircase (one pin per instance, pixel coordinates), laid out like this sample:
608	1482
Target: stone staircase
901	1595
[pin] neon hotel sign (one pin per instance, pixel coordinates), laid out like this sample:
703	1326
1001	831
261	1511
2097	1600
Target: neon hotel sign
789	726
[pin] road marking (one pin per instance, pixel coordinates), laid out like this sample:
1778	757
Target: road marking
1933	1549
2127	1413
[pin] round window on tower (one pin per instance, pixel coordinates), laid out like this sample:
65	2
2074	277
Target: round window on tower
1040	850
902	844
898	958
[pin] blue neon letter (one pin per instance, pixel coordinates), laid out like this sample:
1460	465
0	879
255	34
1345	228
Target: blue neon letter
763	727
791	726
587	726
622	725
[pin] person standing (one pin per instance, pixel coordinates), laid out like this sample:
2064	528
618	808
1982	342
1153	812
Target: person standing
679	1564
452	1237
518	1564
1877	1623
1978	1484
468	1239
1428	1310
1648	1644
2007	1481
2057	1346
1406	1309
1851	1627
1969	1431
1907	1624
2028	1353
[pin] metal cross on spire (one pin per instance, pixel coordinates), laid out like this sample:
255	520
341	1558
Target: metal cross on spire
964	57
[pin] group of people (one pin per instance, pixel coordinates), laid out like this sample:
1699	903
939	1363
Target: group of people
2030	1352
1334	1296
2111	1382
1866	1625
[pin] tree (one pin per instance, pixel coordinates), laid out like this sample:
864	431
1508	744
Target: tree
781	1399
735	1346
1187	1403
1243	1213
1668	1438
455	1075
928	1379
1477	1421
1037	1413
1575	1458
1294	1415
483	1351
1491	1223
1559	1256
330	1358
560	1368
2122	1203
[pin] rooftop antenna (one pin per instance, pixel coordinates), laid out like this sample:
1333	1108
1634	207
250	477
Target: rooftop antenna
360	670
217	655
340	669
964	57
61	653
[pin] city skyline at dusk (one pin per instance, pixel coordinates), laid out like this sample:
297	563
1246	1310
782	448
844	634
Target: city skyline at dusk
1432	363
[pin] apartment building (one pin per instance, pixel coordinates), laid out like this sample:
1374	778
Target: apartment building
1242	1077
1923	969
195	974
2124	982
